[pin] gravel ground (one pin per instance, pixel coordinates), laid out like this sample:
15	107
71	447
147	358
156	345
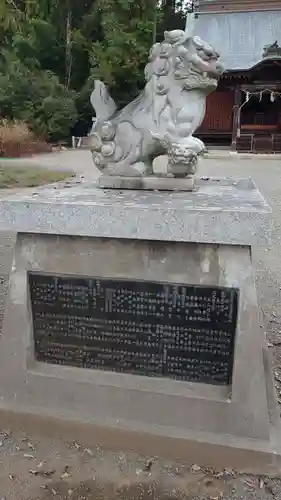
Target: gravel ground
37	468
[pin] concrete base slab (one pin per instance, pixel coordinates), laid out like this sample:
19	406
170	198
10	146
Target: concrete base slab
219	211
235	426
243	455
146	183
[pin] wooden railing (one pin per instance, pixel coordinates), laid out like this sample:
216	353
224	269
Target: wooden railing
253	143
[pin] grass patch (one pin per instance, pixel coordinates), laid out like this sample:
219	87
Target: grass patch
29	176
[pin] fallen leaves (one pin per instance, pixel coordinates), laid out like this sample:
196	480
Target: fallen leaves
4	436
89	452
66	474
250	483
30	446
44	473
196	468
148	465
46	487
270	487
146	468
29	456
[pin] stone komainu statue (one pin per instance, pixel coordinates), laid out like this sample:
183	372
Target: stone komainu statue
180	73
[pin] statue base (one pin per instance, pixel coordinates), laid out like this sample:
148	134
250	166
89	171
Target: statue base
73	363
146	183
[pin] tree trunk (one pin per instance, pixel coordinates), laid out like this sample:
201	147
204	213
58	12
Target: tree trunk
68	54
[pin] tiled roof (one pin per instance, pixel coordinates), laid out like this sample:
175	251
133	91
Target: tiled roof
240	37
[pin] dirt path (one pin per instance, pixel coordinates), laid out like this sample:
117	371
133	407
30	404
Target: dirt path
33	468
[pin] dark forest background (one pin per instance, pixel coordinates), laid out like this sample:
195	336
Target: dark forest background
53	50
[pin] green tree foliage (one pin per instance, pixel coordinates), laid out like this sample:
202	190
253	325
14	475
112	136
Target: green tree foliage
53	50
127	34
35	97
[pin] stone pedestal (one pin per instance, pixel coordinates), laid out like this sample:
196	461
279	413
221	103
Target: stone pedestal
201	238
147	183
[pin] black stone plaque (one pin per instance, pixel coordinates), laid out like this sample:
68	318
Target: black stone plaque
178	331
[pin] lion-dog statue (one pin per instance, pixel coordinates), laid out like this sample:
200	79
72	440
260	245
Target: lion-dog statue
180	73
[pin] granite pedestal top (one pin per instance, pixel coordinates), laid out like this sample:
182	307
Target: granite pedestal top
222	211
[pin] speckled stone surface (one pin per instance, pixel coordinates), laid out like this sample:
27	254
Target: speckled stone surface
146	183
219	211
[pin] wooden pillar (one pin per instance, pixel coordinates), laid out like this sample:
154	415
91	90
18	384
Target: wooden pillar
235	122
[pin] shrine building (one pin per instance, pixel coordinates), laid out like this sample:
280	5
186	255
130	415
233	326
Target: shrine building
244	112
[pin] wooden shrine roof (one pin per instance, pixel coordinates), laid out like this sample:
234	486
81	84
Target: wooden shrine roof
240	37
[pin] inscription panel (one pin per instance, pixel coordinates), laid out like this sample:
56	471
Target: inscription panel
140	327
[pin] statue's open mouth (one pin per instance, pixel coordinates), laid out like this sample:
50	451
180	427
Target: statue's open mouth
214	72
211	76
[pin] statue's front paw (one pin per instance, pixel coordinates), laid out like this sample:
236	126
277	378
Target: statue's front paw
98	161
144	169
